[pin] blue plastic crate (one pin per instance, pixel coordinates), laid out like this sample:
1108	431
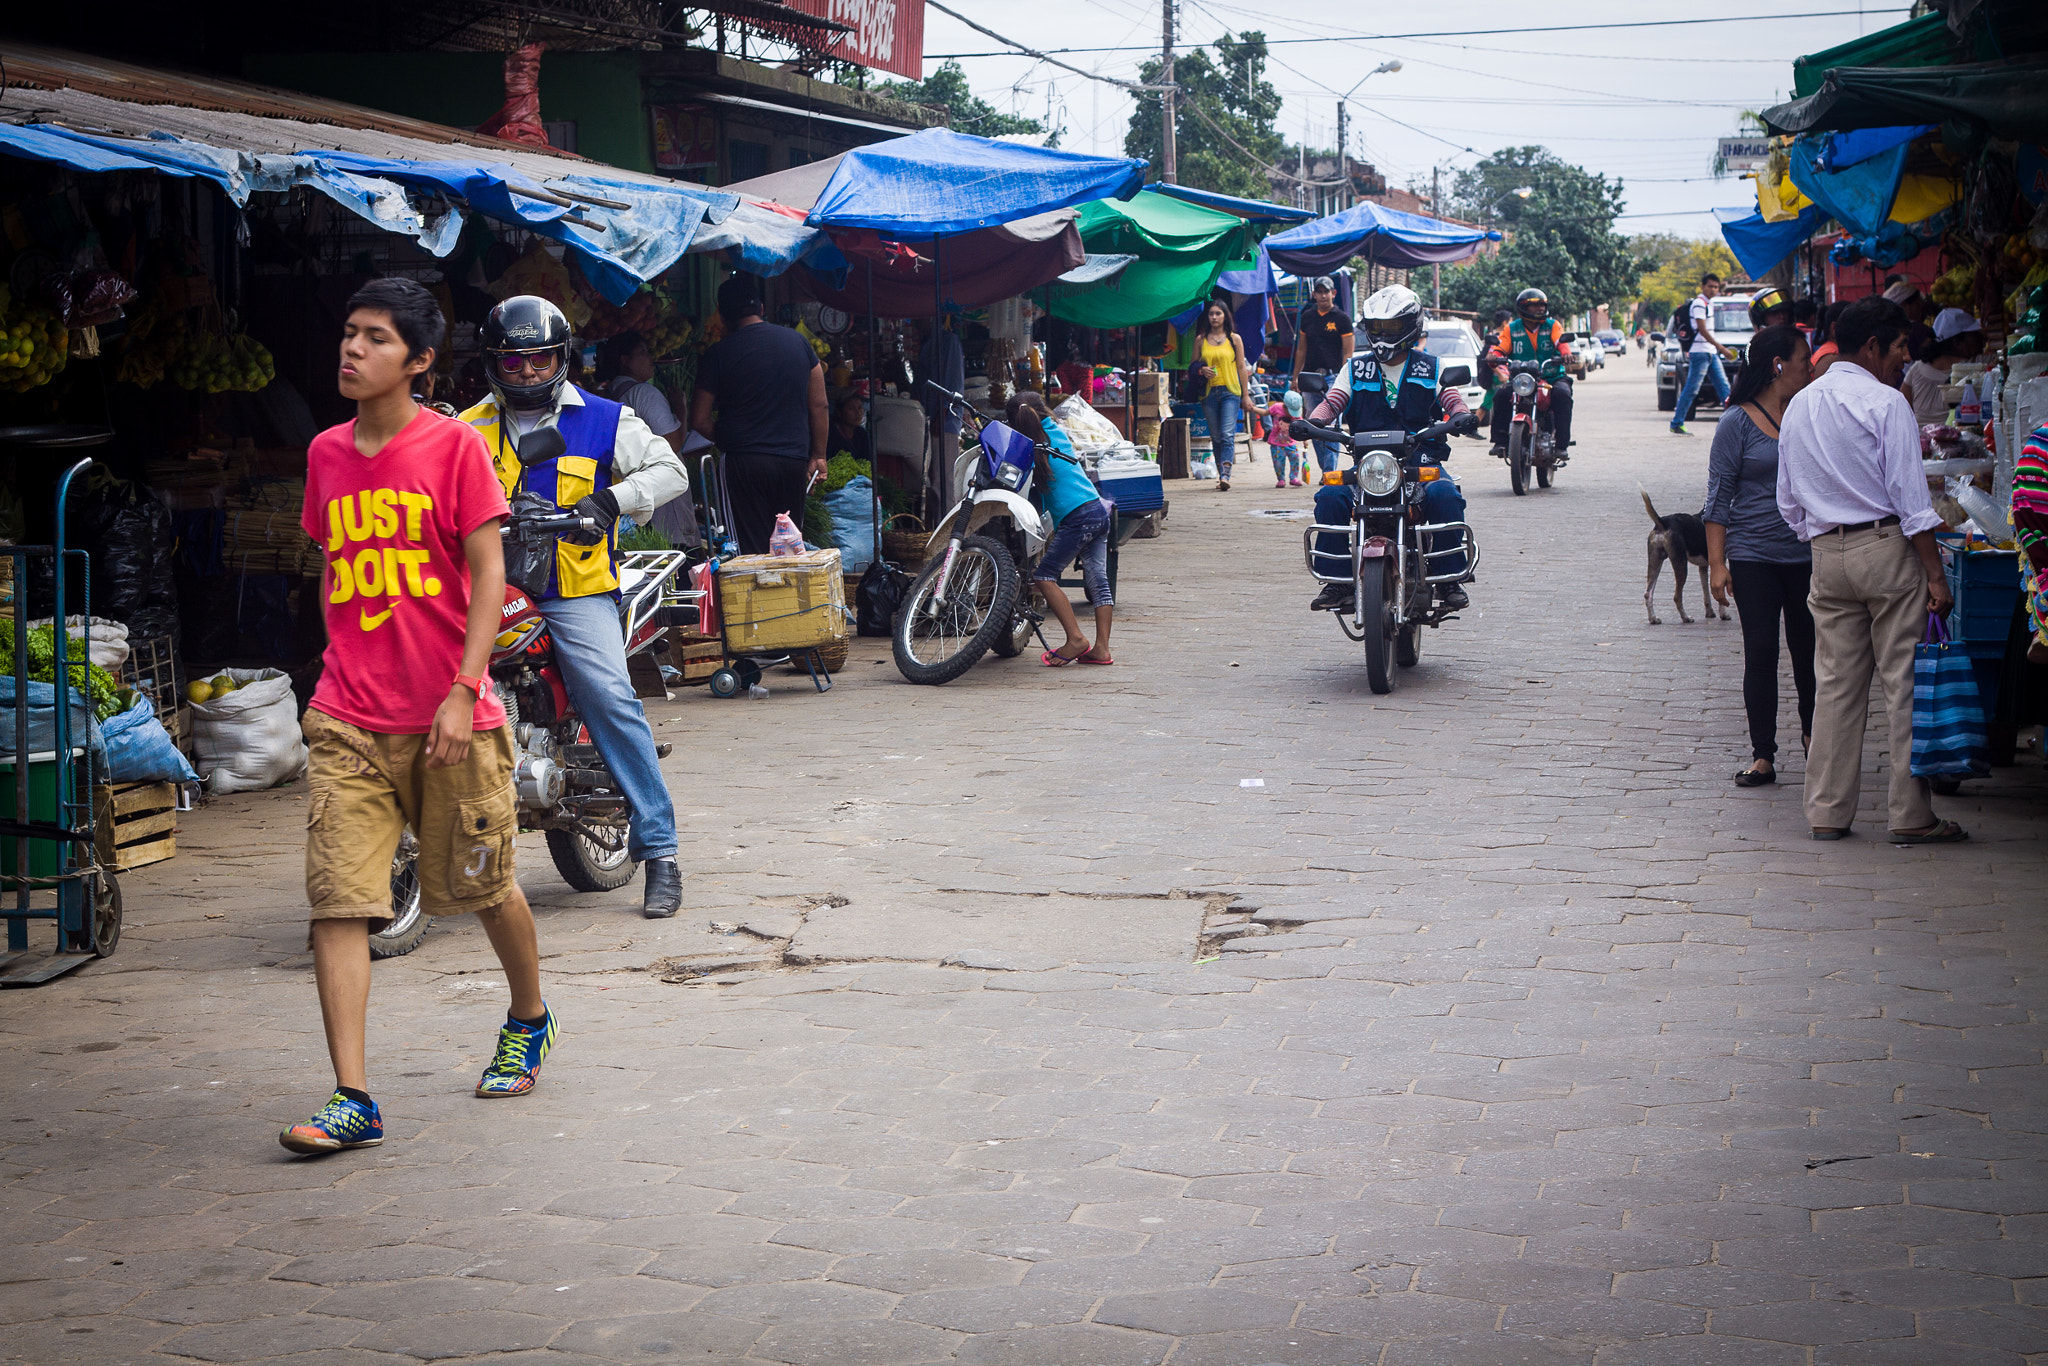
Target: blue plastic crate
1986	586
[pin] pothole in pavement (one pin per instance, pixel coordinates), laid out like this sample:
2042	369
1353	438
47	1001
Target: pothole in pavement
965	927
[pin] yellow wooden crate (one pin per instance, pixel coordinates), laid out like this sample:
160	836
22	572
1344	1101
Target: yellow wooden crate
782	602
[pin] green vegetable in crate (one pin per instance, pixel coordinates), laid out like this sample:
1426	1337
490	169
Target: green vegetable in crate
100	687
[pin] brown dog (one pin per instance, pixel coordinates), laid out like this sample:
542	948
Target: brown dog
1680	539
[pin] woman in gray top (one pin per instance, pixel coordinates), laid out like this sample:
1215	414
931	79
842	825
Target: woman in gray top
1750	549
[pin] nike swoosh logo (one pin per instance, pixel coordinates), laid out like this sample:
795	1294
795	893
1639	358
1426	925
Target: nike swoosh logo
371	623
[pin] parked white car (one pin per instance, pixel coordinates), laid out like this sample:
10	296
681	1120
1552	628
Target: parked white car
1453	342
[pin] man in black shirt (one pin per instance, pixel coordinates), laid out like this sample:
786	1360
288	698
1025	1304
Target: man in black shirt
768	390
1322	347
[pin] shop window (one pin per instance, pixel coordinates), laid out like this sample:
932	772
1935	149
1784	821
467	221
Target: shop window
747	159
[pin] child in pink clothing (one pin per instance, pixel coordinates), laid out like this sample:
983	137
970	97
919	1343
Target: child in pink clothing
1286	454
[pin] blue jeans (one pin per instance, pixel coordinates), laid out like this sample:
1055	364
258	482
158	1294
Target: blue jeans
1442	501
590	645
1698	366
1084	532
1225	410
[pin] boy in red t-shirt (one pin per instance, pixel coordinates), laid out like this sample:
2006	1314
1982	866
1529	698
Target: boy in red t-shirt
404	728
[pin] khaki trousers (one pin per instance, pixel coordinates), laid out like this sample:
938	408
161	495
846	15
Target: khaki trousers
1869	601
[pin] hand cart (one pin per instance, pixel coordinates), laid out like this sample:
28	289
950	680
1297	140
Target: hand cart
56	868
738	669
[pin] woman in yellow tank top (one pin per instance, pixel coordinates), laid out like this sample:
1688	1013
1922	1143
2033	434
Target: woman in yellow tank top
1219	359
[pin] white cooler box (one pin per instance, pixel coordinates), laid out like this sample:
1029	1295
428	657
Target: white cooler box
1132	484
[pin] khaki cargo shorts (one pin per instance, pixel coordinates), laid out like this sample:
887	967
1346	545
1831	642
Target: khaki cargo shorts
367	787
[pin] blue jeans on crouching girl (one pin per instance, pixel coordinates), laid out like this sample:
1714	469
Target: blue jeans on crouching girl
1083	533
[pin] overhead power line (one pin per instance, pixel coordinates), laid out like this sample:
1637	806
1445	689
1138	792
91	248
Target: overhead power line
1034	52
1389	37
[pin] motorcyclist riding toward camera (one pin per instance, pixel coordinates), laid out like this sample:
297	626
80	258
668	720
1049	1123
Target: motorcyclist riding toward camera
1532	334
1392	383
614	466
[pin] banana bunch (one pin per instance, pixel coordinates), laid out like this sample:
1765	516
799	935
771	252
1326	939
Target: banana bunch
34	345
152	344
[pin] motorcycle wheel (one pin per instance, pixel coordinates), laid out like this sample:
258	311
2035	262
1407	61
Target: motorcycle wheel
1545	473
1518	460
1408	647
408	924
1379	633
587	865
938	647
1011	643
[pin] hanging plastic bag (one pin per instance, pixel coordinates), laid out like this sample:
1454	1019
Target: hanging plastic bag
249	739
875	603
1948	716
704	580
139	749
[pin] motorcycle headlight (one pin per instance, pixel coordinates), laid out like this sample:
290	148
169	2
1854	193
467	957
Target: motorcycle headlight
1379	474
1525	384
1009	476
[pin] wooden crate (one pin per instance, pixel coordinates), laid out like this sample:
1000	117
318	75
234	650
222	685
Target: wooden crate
698	658
138	823
645	671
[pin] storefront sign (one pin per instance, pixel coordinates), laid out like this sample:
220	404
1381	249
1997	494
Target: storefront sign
685	136
888	35
1744	153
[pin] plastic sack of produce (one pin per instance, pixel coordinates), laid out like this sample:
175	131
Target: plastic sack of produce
1086	427
109	647
42	720
139	749
249	739
852	508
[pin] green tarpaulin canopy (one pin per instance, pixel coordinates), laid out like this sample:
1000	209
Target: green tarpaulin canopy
2006	99
1181	249
1925	41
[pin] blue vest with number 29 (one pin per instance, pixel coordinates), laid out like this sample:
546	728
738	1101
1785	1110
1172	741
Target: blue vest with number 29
1373	408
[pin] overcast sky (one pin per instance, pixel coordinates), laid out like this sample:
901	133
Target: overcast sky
1642	103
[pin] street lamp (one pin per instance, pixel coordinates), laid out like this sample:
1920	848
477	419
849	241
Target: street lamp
1343	147
1522	193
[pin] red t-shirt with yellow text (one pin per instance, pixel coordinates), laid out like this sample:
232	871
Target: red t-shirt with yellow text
396	588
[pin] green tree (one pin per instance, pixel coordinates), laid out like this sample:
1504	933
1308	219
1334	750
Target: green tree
1560	237
946	90
1228	90
1680	261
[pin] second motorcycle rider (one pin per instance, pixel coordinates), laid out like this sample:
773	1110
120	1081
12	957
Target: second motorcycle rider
614	466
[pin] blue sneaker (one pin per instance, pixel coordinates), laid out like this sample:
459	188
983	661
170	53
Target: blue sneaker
341	1123
521	1051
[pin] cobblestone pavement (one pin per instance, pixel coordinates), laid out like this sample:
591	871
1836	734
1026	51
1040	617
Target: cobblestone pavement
1008	1025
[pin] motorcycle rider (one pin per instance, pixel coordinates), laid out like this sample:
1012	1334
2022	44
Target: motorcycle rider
1392	383
614	466
1532	334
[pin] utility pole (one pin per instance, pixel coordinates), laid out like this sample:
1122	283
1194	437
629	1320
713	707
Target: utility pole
1436	270
1169	167
1343	159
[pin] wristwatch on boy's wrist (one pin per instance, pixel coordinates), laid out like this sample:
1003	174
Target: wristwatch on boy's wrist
475	685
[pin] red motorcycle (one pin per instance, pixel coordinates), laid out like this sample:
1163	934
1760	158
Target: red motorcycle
563	785
1530	444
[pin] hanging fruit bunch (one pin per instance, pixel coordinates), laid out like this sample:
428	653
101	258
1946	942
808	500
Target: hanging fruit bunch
1955	287
675	334
33	344
608	320
212	363
152	344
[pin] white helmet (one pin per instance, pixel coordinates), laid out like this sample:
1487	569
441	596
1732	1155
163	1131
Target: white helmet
1392	321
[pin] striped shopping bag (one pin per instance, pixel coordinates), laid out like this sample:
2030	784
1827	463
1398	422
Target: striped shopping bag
1948	718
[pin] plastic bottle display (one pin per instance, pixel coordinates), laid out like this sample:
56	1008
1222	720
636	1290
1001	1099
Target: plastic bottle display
1969	412
785	539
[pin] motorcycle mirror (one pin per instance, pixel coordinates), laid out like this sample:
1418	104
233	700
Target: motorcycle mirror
541	445
1656	336
1456	377
1569	337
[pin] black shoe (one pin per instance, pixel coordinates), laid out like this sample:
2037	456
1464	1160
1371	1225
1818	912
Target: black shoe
664	889
1333	596
1452	598
1499	450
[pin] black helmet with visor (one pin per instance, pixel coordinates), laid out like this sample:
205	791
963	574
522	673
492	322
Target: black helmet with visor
518	335
1532	305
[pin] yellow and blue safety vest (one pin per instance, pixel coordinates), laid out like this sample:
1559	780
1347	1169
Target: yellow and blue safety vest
589	431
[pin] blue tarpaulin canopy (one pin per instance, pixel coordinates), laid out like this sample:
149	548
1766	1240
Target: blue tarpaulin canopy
1250	210
937	182
1859	196
1760	245
1383	236
1840	151
617	248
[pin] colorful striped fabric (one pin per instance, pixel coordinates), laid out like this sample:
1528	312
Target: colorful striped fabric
1948	716
2030	526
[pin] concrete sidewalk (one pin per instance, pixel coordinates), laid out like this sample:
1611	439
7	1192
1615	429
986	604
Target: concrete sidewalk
1006	1023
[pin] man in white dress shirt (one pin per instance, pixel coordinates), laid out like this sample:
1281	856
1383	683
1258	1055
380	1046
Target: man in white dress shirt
1850	485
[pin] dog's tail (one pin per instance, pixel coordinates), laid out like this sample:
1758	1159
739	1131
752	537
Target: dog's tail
1651	508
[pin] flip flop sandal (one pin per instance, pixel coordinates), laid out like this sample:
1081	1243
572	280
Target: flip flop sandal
1944	832
1750	777
1086	660
1053	659
1821	833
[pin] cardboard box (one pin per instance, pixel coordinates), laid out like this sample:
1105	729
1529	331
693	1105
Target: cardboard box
774	603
